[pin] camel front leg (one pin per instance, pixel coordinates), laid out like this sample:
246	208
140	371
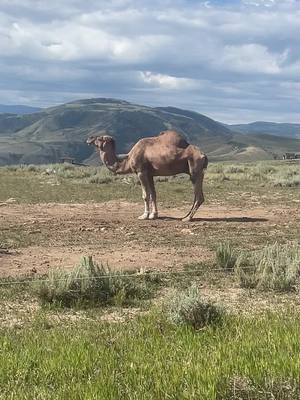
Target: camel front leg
154	212
145	194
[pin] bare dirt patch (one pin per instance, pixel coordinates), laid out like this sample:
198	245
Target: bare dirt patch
44	236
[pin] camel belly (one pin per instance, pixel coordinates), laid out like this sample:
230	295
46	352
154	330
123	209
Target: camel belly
169	168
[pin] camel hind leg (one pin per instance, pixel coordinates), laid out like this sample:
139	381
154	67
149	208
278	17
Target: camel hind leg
143	177
197	175
154	213
199	197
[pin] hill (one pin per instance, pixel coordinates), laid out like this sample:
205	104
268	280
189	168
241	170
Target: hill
269	128
18	109
51	133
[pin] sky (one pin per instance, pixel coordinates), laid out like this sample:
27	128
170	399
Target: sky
236	61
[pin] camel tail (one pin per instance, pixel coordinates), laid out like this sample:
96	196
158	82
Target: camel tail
205	161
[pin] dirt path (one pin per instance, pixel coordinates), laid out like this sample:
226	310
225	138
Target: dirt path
45	236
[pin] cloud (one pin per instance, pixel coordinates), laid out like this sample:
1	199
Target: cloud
167	81
239	59
251	59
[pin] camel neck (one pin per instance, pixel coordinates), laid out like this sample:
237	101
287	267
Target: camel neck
111	161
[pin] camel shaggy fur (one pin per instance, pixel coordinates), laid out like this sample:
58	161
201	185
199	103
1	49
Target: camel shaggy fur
163	155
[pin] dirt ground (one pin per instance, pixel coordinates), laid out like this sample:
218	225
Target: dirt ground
53	235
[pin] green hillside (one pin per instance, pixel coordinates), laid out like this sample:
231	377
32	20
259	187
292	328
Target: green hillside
52	133
269	128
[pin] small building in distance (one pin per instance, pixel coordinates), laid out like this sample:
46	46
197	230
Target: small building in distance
69	160
291	156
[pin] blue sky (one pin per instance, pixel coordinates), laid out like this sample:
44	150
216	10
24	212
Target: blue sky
235	61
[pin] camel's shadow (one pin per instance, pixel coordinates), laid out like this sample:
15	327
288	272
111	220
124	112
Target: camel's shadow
217	219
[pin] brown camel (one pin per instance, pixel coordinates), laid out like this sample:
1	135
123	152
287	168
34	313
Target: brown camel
163	155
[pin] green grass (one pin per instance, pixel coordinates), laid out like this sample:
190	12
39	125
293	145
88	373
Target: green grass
68	183
149	358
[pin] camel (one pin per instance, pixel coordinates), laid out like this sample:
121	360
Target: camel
164	155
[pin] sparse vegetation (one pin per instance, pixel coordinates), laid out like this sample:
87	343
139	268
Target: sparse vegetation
70	183
91	284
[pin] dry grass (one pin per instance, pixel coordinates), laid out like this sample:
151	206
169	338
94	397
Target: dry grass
274	267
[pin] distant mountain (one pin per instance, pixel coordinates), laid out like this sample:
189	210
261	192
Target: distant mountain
52	133
18	109
269	128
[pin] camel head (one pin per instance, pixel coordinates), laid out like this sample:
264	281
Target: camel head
104	143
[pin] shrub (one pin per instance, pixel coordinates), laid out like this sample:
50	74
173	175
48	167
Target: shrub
216	168
32	168
70	171
89	283
275	267
99	180
225	256
187	308
234	169
286	181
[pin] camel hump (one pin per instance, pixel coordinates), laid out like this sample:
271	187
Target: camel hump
173	138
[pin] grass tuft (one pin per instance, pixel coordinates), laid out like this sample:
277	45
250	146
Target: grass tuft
275	267
225	256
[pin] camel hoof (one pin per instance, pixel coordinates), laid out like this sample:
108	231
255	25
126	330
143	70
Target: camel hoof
144	216
153	216
186	219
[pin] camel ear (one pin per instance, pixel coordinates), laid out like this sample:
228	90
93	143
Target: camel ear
91	140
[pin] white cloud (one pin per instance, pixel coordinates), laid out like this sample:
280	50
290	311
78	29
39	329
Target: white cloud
167	81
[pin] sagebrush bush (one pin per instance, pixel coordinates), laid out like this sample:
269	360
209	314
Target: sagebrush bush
275	267
187	308
217	168
234	169
225	256
90	283
286	180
